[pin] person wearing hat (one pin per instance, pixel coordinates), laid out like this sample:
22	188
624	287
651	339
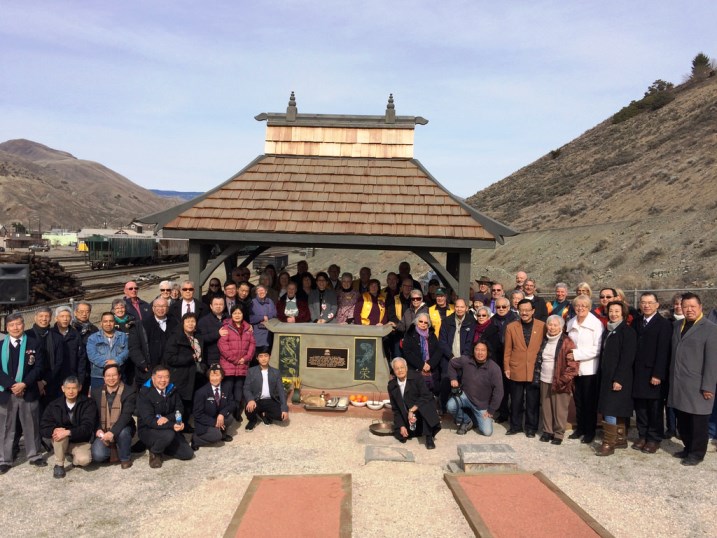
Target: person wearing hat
264	392
21	367
214	407
440	311
483	293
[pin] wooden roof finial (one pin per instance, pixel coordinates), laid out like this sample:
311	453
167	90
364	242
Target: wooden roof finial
390	110
291	110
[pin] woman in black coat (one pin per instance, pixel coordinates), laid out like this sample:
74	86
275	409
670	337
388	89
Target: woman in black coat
619	344
183	355
421	351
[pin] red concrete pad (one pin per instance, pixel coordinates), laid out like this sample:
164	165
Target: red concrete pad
520	504
299	506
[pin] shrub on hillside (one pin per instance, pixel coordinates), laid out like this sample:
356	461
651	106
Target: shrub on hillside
657	95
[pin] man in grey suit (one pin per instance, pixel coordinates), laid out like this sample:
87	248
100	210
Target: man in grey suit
693	377
264	392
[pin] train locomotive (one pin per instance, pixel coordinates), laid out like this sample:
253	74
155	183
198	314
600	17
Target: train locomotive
107	251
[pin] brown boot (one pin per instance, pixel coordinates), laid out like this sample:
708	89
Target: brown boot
621	441
609	436
155	460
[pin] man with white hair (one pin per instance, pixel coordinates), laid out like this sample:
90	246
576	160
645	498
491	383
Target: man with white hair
188	304
414	410
73	348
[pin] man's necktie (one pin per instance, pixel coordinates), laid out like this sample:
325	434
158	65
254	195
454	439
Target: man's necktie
216	396
189	309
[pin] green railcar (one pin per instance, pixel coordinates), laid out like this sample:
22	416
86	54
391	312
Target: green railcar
105	252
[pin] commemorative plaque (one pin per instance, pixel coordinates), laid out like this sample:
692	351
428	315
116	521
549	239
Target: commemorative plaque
337	358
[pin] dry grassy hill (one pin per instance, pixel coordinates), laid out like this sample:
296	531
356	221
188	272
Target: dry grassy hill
66	191
632	204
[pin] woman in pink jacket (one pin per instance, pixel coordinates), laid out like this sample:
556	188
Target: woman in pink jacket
236	349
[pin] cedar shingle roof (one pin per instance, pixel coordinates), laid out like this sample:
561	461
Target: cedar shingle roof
336	196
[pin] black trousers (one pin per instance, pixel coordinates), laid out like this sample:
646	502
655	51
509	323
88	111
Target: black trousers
695	433
524	394
586	399
237	387
649	418
167	442
212	435
267	407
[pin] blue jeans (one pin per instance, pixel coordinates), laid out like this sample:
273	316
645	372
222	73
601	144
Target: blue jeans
462	408
101	452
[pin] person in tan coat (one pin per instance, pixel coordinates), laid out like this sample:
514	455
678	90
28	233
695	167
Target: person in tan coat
523	339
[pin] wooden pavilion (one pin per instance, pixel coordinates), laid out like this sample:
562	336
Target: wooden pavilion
333	181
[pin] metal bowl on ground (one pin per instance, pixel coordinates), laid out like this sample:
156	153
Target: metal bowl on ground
381	428
375	405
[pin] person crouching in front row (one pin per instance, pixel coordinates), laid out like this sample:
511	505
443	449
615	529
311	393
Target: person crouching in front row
159	418
70	421
482	390
264	392
213	408
116	403
414	410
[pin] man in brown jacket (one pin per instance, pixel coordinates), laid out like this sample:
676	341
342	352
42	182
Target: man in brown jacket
522	344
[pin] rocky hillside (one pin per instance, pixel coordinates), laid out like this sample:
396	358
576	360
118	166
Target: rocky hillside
38	181
632	204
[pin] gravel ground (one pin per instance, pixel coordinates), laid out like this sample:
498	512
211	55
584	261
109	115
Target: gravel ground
630	493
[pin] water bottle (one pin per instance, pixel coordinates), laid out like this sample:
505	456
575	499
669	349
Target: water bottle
412	425
177	417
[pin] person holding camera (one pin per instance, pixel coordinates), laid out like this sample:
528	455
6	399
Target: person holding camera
482	390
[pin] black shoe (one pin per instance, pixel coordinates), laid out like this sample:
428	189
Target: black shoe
227	438
266	420
530	435
556	442
681	454
194	446
587	439
250	425
4	468
138	448
465	428
58	471
39	463
669	434
513	432
430	444
690	461
546	437
577	434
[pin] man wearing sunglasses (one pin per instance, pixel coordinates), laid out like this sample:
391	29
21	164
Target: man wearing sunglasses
188	304
137	307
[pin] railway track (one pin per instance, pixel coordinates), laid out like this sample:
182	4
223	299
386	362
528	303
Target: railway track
105	274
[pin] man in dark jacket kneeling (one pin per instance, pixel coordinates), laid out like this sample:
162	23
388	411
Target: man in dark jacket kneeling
414	410
70	421
159	414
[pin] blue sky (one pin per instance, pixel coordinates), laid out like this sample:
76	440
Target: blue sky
165	92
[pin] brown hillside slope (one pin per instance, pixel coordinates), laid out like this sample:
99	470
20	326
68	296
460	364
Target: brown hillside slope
632	204
65	191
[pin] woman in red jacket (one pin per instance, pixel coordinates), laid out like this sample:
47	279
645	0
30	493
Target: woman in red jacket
236	351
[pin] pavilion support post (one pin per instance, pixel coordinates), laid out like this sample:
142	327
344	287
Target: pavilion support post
199	254
230	262
458	265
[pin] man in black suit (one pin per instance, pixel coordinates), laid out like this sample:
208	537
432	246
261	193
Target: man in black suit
213	408
21	367
414	411
188	303
652	360
211	328
146	344
541	307
264	392
159	419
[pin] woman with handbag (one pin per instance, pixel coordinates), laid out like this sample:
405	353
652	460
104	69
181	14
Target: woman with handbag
183	355
554	373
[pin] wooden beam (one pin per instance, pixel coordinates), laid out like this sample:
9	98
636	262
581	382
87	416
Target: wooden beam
226	255
445	275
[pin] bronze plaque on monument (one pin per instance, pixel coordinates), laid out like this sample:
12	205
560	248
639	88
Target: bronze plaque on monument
321	357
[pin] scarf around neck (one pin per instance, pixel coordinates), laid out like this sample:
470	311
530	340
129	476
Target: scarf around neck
6	359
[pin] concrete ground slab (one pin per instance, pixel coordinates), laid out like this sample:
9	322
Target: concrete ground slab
388	453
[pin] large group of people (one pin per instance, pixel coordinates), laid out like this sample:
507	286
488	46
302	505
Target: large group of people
177	373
